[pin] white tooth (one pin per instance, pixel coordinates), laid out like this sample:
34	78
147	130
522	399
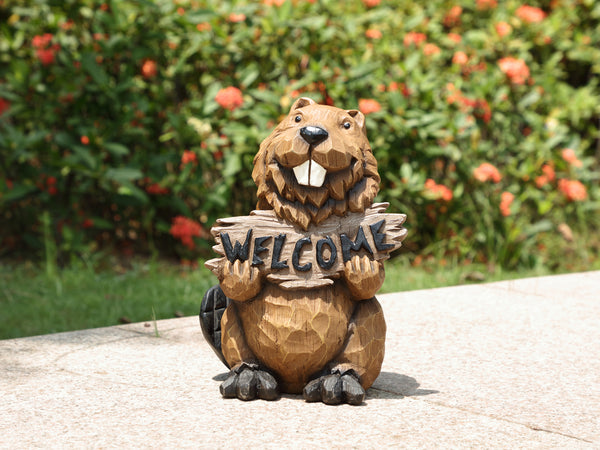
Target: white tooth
317	174
301	172
310	173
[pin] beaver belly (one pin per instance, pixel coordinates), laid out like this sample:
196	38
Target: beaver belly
296	333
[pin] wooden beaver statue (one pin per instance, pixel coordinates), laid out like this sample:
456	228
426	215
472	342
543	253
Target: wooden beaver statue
295	310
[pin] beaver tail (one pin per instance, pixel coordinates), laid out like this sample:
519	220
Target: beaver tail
212	308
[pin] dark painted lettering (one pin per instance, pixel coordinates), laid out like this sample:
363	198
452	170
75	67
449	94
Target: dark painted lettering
238	251
277	246
326	265
296	255
348	245
379	238
258	249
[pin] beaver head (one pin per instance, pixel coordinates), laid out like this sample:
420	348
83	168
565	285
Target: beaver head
317	162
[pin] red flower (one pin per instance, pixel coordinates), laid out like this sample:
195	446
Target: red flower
236	18
572	189
42	40
185	230
548	171
4	106
394	86
456	38
368	105
438	191
486	4
85	140
373	33
229	98
483	110
88	223
156	189
568	154
503	29
541	181
188	157
547	176
149	69
44	51
486	172
431	49
67	25
453	16
46	55
515	69
412	37
530	14
460	58
371	3
506	199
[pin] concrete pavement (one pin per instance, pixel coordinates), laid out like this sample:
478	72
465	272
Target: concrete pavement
514	364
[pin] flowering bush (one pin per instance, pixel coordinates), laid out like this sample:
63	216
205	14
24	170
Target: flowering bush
120	119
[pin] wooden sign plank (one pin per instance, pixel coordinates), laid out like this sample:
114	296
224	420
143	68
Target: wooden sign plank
294	258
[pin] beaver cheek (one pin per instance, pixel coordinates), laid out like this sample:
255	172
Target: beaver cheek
291	151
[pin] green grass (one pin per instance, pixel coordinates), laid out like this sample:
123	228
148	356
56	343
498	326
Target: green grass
34	301
401	276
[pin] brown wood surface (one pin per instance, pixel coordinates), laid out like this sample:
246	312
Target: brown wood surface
266	223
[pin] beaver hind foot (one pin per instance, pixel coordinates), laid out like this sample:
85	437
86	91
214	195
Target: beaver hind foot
335	388
248	382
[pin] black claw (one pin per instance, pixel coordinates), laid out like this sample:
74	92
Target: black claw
246	385
331	389
228	387
354	394
266	386
247	382
334	389
312	391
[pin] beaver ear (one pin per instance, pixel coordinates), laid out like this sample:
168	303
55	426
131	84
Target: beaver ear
301	103
358	117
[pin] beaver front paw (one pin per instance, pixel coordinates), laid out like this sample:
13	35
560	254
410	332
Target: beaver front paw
364	276
335	388
241	281
248	381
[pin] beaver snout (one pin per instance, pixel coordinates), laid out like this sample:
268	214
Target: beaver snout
313	135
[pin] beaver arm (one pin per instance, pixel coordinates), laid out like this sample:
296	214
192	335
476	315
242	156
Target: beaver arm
364	277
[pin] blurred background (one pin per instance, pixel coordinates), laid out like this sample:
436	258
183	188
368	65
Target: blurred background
128	127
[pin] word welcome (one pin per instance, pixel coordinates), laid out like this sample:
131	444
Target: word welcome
326	249
296	259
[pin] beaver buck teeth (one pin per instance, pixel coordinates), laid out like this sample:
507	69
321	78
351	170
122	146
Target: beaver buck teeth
310	173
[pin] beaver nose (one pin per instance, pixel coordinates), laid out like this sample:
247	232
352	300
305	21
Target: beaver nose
313	135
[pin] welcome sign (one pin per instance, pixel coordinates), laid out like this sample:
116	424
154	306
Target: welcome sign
294	258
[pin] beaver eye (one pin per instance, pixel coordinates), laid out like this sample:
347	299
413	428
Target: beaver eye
347	125
297	119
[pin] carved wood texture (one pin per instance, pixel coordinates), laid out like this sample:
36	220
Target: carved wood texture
267	224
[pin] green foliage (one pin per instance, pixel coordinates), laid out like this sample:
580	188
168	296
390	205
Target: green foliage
109	119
